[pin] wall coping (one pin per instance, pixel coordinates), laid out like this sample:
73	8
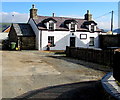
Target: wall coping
110	85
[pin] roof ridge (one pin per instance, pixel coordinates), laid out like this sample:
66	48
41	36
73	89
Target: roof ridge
62	17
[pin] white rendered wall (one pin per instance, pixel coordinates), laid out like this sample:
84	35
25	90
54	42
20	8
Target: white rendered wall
62	39
3	36
37	33
85	42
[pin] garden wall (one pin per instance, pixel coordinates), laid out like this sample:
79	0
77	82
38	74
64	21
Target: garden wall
116	66
104	57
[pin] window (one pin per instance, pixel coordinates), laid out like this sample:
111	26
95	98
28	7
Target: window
73	26
92	28
51	40
51	25
91	43
83	36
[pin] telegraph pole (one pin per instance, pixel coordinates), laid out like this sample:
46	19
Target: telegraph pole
112	22
12	18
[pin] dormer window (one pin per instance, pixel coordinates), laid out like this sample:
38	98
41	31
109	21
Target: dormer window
72	26
90	25
51	25
92	28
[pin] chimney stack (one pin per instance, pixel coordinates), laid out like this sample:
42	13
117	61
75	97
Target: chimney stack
53	14
88	16
33	12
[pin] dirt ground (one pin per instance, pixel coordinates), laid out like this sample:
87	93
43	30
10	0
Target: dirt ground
24	71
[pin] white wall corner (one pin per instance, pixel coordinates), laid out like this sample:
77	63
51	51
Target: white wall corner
47	25
39	40
75	27
95	28
54	26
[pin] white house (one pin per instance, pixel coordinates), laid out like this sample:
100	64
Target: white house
57	31
62	31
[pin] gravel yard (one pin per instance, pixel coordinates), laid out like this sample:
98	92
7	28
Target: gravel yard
24	71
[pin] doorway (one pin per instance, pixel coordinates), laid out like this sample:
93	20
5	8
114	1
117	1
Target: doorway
72	41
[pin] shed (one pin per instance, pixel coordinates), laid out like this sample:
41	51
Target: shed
23	35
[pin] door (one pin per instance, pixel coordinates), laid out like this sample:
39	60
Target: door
72	41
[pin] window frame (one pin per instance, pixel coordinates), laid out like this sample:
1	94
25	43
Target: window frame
51	25
83	36
51	40
72	26
92	28
92	42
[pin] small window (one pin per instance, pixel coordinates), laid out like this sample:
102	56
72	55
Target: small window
92	28
51	26
91	43
73	26
83	36
51	40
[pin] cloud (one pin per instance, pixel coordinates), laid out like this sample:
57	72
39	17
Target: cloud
14	17
17	17
106	25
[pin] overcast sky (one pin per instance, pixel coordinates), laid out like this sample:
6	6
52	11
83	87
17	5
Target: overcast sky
19	11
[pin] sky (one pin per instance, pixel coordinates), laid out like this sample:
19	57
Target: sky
19	11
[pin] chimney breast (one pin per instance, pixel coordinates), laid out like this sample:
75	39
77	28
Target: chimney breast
53	14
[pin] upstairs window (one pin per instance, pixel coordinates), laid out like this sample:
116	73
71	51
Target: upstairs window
91	43
73	26
51	40
51	25
92	28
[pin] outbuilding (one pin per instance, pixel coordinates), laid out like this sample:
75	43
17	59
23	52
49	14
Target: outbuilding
23	35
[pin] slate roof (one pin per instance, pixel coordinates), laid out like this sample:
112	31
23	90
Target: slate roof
7	29
23	29
60	23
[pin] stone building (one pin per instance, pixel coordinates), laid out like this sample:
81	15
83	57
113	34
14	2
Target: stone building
22	35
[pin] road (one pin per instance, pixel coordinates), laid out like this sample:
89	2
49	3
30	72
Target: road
24	71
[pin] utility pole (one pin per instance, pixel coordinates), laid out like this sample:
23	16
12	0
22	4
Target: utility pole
112	22
12	18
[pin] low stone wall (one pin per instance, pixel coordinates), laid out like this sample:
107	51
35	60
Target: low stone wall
104	57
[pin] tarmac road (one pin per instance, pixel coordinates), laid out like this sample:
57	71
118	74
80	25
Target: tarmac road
24	71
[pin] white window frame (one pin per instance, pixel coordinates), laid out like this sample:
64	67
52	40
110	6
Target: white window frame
51	40
75	26
94	27
51	25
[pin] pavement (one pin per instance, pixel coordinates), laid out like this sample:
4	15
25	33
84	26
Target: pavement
37	74
110	86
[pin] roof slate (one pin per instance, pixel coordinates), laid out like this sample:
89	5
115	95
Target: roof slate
60	23
23	29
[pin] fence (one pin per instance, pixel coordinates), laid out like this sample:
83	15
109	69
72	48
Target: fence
104	57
